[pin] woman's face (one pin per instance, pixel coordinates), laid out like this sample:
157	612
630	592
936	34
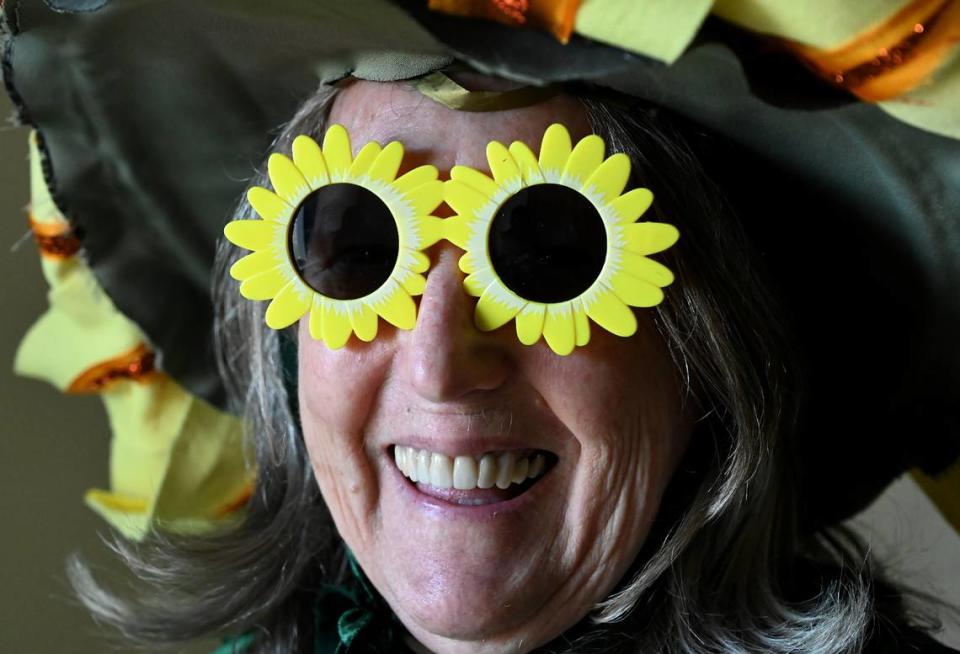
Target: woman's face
486	571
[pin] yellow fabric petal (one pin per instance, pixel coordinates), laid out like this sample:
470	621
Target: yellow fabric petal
635	291
250	234
364	321
631	205
456	229
610	178
269	205
414	283
287	307
316	319
253	264
465	200
581	324
559	331
336	327
337	151
364	159
587	155
474	178
387	164
555	149
398	309
287	179
309	159
649	238
504	168
527	162
530	323
647	269
491	313
265	285
609	312
425	198
414	178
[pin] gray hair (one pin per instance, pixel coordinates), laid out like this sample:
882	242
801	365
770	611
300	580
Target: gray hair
720	571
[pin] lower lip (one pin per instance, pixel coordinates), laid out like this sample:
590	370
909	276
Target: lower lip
448	510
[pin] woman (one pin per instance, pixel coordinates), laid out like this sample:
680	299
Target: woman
667	516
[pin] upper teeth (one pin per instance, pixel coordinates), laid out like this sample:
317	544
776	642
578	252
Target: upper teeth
467	472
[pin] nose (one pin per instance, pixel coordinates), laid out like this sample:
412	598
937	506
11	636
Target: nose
446	357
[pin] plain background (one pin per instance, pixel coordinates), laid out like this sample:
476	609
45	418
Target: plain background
54	447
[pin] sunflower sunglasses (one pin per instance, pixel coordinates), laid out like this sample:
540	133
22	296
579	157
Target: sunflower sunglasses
551	240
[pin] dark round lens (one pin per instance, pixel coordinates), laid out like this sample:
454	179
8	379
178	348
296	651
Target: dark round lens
548	243
344	241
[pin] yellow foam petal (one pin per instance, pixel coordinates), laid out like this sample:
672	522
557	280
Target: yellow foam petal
476	284
309	159
468	263
631	205
287	307
610	178
504	168
581	324
426	197
265	285
491	313
649	238
387	165
414	283
253	264
335	327
316	319
646	269
419	261
456	229
364	159
475	179
364	321
559	331
249	234
635	291
527	162
414	178
555	149
430	229
287	179
337	151
609	312
530	322
269	205
586	157
465	200
398	309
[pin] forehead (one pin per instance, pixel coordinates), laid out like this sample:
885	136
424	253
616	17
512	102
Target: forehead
432	133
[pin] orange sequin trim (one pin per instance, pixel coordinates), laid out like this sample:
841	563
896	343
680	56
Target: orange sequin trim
135	365
554	16
894	57
236	504
55	240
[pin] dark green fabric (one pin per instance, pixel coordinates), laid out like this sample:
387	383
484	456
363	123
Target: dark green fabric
349	619
154	113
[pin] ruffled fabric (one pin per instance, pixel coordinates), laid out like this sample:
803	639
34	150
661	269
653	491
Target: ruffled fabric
176	462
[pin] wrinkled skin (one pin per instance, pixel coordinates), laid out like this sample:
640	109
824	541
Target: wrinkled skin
611	412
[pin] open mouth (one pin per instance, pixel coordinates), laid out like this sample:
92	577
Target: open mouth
473	481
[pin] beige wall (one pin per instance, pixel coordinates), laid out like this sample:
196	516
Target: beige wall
52	448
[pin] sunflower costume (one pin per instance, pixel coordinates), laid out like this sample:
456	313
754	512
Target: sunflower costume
848	127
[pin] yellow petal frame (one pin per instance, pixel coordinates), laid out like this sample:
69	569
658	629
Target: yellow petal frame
269	272
628	277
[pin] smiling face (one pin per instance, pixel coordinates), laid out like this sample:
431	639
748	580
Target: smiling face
485	570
